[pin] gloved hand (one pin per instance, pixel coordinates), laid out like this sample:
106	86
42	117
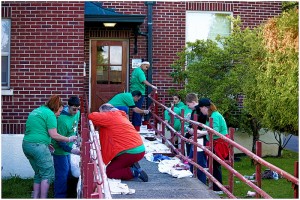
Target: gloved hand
154	87
75	151
72	138
78	141
146	112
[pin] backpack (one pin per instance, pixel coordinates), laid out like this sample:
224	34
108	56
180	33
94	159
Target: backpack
269	174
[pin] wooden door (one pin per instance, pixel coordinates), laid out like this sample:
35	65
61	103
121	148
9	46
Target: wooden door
108	70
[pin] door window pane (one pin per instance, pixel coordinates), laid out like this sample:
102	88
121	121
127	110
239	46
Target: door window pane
102	55
115	74
102	75
109	62
115	55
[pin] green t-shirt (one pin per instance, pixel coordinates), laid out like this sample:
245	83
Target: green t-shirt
177	123
134	150
136	81
219	124
177	110
39	121
122	99
67	125
187	115
180	104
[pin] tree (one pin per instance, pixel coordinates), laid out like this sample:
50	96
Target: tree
273	96
261	64
217	72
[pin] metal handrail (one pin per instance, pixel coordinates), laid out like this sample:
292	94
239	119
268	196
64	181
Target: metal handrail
93	176
100	164
99	170
209	152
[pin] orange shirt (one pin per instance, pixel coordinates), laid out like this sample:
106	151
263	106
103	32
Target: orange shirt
116	133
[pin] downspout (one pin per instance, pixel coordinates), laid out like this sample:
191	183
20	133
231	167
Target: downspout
149	45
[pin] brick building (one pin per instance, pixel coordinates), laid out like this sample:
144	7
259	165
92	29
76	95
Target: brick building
64	48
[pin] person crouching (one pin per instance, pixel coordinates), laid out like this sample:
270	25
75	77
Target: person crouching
122	146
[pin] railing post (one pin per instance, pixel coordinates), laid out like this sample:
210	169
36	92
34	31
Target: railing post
172	124
163	126
211	148
296	174
182	142
195	157
85	161
90	179
231	160
155	108
258	167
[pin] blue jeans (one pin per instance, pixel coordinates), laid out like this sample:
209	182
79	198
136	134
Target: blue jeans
124	108
201	160
62	172
136	117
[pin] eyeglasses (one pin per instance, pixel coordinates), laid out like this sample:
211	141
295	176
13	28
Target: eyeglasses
74	108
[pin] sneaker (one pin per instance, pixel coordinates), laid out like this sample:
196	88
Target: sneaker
219	192
136	165
143	176
139	173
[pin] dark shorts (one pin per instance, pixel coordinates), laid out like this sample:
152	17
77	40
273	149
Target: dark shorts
40	160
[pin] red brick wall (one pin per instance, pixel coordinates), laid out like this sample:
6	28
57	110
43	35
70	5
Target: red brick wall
169	28
49	46
47	57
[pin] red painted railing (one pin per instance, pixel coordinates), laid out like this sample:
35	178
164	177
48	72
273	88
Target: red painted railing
229	164
94	183
93	176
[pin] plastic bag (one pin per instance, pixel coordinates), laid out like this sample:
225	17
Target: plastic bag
75	167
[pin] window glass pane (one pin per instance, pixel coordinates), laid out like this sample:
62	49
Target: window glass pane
102	52
4	71
115	55
206	25
115	74
5	35
102	75
220	25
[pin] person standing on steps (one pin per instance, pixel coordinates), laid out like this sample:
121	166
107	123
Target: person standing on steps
177	106
41	126
221	148
67	125
192	102
138	82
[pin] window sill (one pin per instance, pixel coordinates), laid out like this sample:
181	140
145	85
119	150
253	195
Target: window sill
7	92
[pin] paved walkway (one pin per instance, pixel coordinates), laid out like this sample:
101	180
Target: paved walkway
164	186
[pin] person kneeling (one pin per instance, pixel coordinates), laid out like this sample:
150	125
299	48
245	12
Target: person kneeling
122	147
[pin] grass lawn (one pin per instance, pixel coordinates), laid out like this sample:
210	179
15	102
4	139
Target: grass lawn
16	187
280	188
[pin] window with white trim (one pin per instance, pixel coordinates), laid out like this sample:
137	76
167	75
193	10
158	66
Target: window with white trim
5	53
202	25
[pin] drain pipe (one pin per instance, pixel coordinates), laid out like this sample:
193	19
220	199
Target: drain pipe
149	45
